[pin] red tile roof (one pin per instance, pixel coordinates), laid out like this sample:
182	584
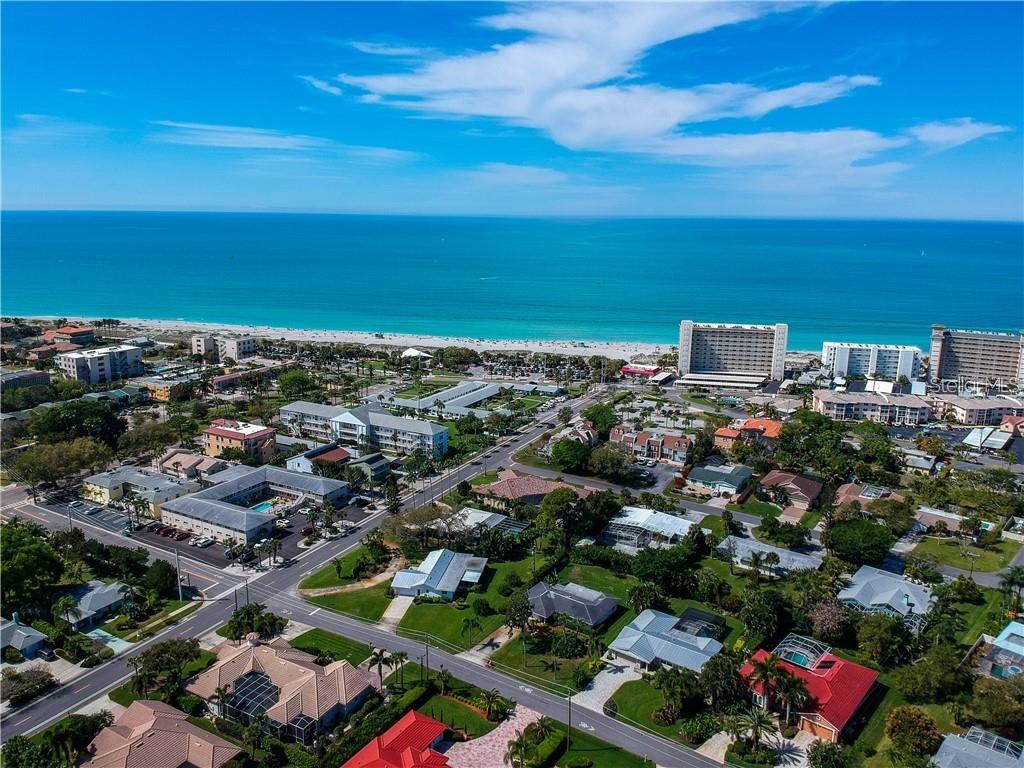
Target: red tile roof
727	432
406	744
766	427
333	455
796	484
837	687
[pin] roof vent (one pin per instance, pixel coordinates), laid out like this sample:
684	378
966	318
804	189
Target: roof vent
253	638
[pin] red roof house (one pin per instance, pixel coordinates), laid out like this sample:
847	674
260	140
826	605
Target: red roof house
407	744
837	687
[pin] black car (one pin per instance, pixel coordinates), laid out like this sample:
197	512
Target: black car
247	556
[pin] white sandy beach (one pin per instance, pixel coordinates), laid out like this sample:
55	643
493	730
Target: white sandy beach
157	329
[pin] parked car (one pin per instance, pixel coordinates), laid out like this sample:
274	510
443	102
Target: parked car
76	504
282	523
181	536
231	553
247	556
204	543
166	531
307	530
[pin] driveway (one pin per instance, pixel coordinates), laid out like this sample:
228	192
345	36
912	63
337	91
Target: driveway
396	610
605	684
792	753
489	750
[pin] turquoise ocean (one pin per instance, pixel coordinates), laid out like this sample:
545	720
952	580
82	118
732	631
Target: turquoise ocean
517	278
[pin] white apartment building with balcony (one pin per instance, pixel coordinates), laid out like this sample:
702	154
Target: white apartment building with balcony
102	365
872	406
731	355
872	361
369	424
224	347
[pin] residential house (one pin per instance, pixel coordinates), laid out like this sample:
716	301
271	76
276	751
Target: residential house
655	639
795	490
658	445
872	590
1014	425
764	432
98	602
409	743
919	462
152	734
24	639
299	698
978	748
441	574
837	688
865	495
582	431
719	478
931	519
512	488
742	552
46	351
470	519
254	440
587	606
636	528
1001	656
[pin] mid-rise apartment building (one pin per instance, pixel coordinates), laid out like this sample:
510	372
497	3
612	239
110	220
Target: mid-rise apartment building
256	440
367	424
721	354
102	365
221	348
872	406
976	411
977	356
872	361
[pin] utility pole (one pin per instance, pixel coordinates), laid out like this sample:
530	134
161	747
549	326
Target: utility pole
234	593
568	734
177	570
246	590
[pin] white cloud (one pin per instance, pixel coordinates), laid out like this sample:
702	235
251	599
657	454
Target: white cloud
574	76
511	175
86	92
946	134
233	136
384	49
321	85
46	129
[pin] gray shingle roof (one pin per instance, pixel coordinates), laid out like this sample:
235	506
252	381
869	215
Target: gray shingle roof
872	587
18	635
978	749
99	597
586	605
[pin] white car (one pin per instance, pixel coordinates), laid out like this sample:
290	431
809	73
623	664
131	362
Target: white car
204	543
76	504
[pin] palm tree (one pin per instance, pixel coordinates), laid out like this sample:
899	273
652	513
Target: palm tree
222	694
471	627
757	723
253	734
489	701
444	678
539	730
756	559
133	595
63	608
275	547
379	657
772	561
766	673
792	691
520	752
398	659
1012	582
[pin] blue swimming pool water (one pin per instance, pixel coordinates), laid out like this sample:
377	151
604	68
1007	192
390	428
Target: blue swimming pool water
263	506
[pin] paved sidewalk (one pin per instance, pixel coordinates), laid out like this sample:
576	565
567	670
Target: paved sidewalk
396	610
489	750
716	746
605	684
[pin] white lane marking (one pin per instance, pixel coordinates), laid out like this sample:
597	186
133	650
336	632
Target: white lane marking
313	613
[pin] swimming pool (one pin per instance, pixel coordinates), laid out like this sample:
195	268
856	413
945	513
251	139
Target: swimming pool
797	658
263	506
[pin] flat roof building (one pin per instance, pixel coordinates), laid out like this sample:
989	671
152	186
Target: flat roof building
882	361
872	406
976	411
977	356
730	354
102	365
151	487
254	440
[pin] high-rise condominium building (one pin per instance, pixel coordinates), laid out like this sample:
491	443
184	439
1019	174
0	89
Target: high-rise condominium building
875	361
721	354
976	356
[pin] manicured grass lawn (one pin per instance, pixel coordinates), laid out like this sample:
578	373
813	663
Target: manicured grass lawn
977	616
484	479
600	753
638	700
366	603
598	578
715	524
873	735
316	640
987	560
738	580
328	576
754	507
444	620
457	715
124	695
538	669
121	626
425	389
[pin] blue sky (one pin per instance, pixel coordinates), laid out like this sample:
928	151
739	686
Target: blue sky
851	110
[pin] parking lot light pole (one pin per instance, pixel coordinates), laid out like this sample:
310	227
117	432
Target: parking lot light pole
177	570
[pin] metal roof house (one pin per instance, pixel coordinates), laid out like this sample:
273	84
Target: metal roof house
724	477
639	527
586	605
469	519
656	639
98	602
872	590
442	574
978	749
740	551
24	639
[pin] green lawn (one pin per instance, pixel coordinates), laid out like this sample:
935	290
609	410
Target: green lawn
121	626
425	388
715	524
124	695
538	668
738	580
328	576
600	753
638	700
484	479
366	603
316	640
986	560
754	507
457	715
976	617
444	621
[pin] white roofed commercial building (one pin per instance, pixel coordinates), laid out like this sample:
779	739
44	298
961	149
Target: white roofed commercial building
721	354
884	361
102	365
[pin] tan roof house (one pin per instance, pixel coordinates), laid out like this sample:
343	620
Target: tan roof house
512	487
801	492
299	697
152	734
